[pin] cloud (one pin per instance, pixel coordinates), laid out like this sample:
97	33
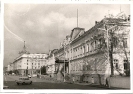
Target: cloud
29	23
18	9
41	25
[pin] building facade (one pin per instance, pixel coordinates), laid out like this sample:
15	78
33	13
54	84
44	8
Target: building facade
29	63
50	63
88	52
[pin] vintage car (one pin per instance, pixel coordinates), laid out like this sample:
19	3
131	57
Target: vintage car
23	80
29	76
5	87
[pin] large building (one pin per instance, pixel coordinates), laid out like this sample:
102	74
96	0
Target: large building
27	63
50	63
99	52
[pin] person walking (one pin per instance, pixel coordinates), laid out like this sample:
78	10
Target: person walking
107	82
92	80
73	79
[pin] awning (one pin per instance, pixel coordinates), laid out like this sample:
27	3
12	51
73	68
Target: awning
61	60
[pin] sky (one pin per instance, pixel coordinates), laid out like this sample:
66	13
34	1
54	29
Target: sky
44	26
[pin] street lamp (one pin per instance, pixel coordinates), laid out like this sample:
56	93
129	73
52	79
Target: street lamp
64	63
40	71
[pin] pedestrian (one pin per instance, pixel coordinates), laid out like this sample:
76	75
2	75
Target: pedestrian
73	79
92	80
108	82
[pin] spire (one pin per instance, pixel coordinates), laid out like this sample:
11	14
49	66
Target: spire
24	50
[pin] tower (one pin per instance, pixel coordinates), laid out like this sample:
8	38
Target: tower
24	51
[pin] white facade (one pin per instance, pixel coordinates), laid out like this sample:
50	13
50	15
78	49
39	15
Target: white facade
29	62
51	65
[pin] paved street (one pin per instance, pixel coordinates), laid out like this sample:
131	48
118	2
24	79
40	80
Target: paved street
46	84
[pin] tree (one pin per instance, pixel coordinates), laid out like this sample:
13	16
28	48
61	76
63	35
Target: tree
110	45
124	46
116	40
43	70
10	72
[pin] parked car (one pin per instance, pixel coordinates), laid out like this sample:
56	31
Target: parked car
29	76
34	75
13	74
5	87
23	80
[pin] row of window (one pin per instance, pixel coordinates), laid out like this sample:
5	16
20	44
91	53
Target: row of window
87	47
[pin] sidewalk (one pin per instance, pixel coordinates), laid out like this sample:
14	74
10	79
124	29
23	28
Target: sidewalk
116	82
53	80
120	82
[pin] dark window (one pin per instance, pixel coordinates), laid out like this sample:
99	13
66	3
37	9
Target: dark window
125	42
116	65
125	61
125	65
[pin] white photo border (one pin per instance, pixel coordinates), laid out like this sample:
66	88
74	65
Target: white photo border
65	2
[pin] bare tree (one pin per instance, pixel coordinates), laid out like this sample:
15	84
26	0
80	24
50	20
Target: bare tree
117	40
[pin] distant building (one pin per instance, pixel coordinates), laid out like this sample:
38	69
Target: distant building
28	63
50	63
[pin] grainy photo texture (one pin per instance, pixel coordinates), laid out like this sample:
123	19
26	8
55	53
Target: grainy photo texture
67	46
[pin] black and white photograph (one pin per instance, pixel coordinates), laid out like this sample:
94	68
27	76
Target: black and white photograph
66	46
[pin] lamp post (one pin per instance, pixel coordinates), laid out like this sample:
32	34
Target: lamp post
40	71
64	63
69	57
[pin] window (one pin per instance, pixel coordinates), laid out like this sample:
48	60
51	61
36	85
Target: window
92	46
88	48
125	42
84	49
116	65
125	66
115	60
125	61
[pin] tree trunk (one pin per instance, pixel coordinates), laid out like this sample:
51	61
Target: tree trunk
111	55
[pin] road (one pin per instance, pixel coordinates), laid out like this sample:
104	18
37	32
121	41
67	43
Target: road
45	84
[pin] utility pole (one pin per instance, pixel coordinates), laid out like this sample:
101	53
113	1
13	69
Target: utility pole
69	56
64	63
40	71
